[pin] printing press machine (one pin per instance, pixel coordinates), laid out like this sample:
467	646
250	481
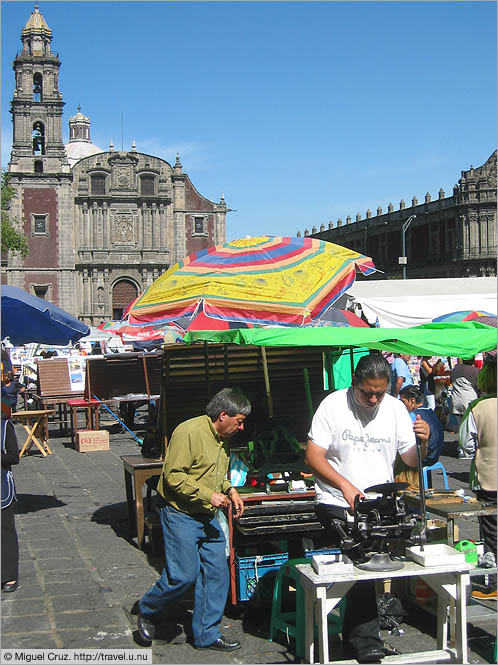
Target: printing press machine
279	500
269	519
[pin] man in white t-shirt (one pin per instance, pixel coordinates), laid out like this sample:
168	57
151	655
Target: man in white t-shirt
354	438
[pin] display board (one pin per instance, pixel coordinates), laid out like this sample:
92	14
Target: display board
279	382
60	376
123	375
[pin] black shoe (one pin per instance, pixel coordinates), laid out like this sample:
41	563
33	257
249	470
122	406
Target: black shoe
146	629
9	587
370	655
222	644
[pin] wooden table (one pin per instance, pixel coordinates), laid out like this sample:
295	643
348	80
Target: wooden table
59	406
36	424
452	510
137	470
323	593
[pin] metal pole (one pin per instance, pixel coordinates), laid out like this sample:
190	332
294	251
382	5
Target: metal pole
403	250
403	242
423	509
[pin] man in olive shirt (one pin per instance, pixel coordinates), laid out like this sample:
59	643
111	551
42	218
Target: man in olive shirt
194	484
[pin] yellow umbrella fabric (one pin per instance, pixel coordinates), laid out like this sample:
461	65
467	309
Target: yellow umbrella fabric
268	279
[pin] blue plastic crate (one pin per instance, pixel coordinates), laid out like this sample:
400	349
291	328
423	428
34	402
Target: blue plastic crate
256	574
328	550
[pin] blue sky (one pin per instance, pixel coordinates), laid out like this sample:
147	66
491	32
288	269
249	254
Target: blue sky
300	112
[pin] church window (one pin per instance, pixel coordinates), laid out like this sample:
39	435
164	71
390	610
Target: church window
41	291
38	166
37	87
38	138
39	224
147	185
199	224
98	185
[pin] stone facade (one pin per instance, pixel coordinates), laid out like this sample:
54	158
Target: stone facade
101	226
451	236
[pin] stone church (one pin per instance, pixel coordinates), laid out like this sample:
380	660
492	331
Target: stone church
101	225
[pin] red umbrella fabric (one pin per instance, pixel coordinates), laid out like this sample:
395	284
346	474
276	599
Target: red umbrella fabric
202	322
342	318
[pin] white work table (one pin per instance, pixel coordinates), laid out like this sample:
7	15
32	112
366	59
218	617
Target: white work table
323	593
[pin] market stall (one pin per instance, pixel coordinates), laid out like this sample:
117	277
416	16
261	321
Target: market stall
459	340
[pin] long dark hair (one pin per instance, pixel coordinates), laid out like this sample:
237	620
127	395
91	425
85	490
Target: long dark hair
373	366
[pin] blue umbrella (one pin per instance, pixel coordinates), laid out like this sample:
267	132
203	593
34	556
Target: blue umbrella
26	318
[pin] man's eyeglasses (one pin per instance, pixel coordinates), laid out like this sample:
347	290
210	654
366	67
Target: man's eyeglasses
368	395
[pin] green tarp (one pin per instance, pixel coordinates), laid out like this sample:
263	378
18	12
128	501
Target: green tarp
459	340
338	366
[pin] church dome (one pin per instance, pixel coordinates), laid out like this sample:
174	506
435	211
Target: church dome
76	150
80	145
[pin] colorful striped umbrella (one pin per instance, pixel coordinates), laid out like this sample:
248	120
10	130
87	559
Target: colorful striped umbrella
457	317
264	280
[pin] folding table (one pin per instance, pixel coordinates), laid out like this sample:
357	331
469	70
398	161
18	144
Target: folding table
36	425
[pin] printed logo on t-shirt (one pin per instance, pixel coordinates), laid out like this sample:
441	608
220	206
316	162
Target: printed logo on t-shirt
365	442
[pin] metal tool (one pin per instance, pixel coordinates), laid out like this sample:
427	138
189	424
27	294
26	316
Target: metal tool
421	487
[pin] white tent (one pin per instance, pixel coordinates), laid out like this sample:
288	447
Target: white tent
112	343
97	335
402	303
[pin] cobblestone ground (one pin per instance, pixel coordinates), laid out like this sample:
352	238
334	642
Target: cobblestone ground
81	572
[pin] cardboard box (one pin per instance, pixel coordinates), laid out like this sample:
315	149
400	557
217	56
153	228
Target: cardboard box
437	533
87	441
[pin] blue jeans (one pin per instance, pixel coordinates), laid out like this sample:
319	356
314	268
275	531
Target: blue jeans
194	550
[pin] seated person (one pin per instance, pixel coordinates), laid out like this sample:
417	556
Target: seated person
12	388
413	399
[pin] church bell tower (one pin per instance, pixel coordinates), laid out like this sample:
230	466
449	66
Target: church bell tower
36	107
40	174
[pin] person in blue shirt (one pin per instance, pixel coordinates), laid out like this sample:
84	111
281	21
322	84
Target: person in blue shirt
413	399
400	374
